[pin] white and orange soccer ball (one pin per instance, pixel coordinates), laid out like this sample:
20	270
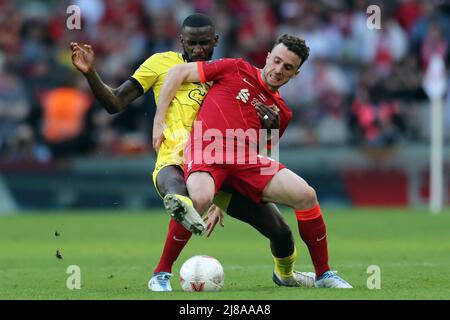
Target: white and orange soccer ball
201	273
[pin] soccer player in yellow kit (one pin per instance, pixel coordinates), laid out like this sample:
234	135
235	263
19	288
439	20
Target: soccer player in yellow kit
170	132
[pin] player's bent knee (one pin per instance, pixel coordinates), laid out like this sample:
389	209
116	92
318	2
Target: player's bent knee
307	198
201	190
201	201
171	180
176	185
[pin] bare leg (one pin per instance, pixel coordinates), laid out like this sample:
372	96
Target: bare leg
201	189
289	189
267	219
171	180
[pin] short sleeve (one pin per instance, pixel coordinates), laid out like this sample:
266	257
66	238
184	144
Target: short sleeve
147	73
214	70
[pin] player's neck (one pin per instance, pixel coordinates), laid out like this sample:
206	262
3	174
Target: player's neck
264	80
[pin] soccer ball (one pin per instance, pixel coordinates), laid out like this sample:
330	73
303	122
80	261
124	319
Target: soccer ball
201	273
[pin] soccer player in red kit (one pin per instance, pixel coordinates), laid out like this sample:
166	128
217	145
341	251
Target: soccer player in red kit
197	39
228	122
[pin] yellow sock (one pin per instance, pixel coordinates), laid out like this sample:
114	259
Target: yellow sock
284	267
184	199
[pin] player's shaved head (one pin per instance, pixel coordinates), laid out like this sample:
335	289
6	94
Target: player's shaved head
198	20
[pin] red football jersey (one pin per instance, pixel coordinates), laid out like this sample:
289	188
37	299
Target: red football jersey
230	103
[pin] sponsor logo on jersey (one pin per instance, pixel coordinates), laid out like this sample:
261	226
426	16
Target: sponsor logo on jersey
262	97
243	95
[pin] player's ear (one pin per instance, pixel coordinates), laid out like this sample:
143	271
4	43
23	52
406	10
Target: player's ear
216	40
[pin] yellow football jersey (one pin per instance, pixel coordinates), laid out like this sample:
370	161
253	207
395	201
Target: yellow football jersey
182	111
180	115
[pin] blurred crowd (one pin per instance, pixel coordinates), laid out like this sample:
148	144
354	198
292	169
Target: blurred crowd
361	86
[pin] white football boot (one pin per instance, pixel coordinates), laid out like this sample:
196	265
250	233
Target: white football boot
331	280
184	213
160	281
298	279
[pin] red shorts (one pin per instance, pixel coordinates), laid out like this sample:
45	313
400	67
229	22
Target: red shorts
249	179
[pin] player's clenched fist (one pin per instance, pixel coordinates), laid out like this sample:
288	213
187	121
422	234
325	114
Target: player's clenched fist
82	57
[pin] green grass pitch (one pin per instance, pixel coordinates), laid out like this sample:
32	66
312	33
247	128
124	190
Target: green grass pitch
117	251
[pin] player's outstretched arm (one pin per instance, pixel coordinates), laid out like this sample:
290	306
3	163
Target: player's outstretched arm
186	72
113	100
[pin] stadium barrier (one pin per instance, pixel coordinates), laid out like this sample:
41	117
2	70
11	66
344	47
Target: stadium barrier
341	177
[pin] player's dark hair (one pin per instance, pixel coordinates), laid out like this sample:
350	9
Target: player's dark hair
296	45
198	20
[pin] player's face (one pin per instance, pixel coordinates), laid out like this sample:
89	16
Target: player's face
198	43
281	66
